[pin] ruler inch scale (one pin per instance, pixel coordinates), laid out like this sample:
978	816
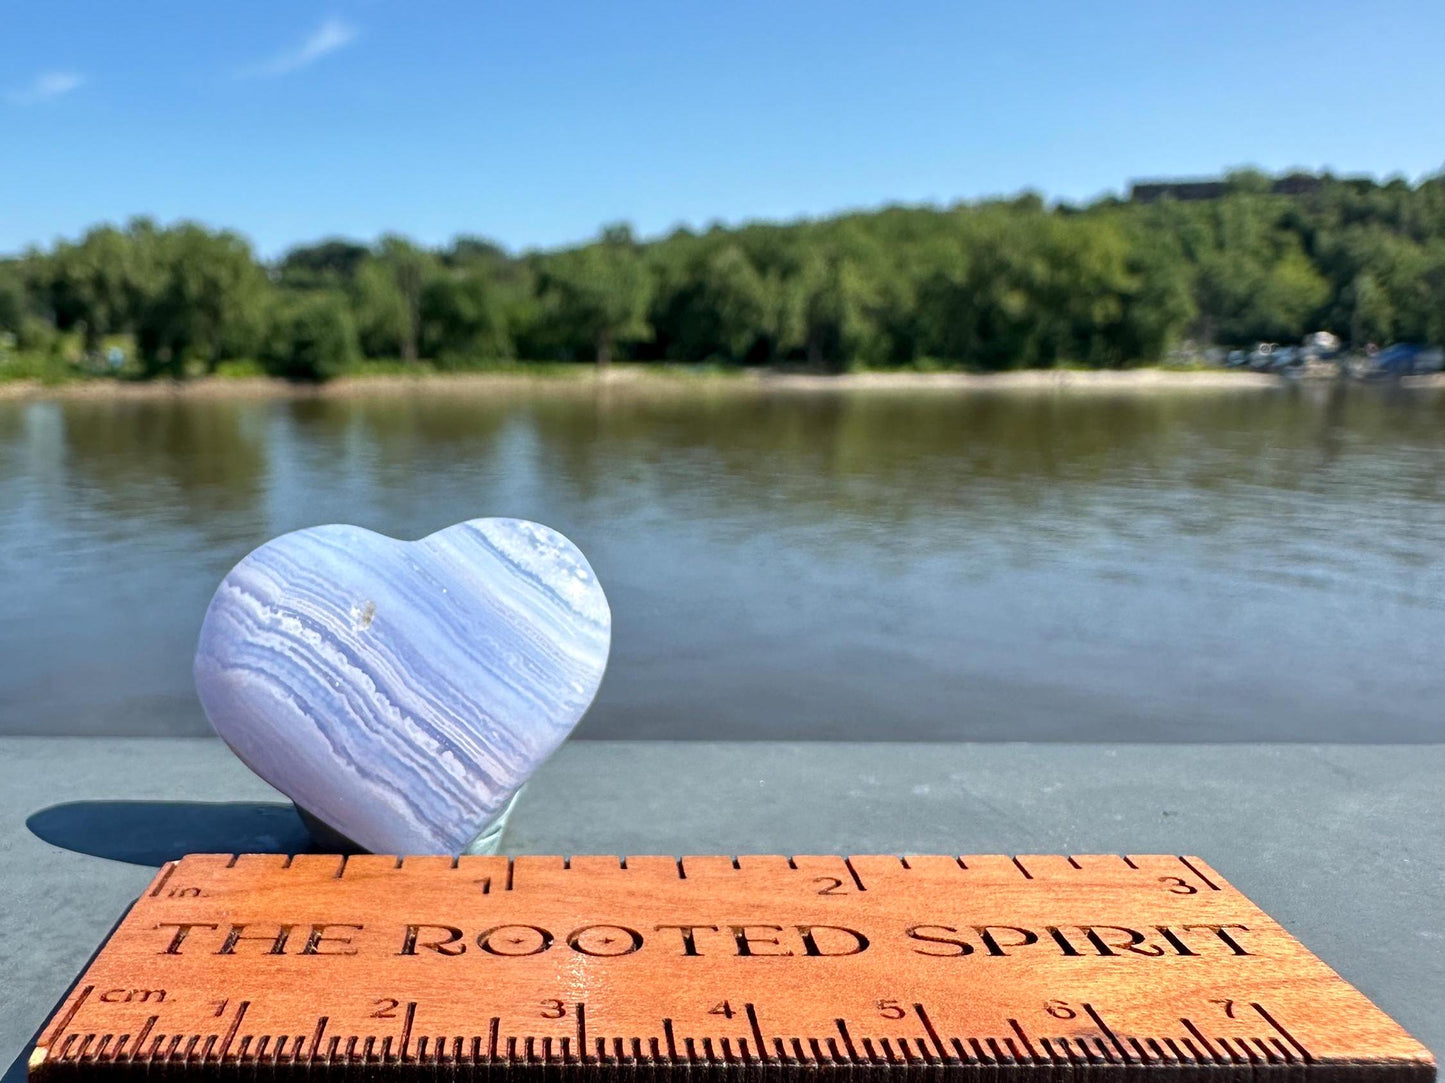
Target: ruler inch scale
747	969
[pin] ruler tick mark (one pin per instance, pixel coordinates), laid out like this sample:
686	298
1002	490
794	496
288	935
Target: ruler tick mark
1023	1038
858	880
757	1029
165	875
932	1034
407	1021
671	1039
1210	884
70	1012
1108	1033
1286	1035
316	1035
1275	1046
234	1027
1203	1041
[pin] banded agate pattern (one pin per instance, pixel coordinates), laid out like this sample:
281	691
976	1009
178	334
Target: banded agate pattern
402	692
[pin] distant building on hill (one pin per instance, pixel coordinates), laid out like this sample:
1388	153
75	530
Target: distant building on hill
1297	184
1192	188
1152	191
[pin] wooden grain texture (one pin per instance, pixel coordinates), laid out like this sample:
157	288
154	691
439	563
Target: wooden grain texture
751	968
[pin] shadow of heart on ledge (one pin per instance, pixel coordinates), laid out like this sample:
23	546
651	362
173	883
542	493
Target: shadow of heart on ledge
18	1071
154	832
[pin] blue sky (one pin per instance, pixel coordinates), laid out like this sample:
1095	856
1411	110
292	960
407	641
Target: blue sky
536	123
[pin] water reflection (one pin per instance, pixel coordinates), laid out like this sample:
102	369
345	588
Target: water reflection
1227	565
202	464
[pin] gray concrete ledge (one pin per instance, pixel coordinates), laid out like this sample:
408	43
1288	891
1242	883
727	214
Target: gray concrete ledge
1344	845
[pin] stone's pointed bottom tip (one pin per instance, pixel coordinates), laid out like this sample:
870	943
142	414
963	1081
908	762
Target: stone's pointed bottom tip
327	838
402	692
487	840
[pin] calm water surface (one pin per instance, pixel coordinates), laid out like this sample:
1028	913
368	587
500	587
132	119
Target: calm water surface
1159	566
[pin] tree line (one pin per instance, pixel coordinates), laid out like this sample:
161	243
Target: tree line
986	285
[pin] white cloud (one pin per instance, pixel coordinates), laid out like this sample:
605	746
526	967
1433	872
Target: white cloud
333	34
46	85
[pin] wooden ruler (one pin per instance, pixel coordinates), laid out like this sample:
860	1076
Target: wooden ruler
1034	967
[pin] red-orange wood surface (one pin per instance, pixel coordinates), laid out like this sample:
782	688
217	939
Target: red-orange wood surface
749	967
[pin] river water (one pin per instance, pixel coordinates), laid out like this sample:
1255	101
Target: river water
842	564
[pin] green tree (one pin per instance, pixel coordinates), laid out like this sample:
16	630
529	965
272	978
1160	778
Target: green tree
312	338
329	264
1160	307
992	284
599	294
15	300
713	303
390	286
1371	314
97	284
206	299
838	301
463	319
1433	283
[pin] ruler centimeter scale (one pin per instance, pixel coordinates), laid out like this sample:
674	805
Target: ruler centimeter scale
1034	967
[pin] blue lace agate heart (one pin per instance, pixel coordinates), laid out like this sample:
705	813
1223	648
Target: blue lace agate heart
402	692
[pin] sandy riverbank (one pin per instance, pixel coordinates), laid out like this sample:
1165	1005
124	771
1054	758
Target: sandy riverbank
584	379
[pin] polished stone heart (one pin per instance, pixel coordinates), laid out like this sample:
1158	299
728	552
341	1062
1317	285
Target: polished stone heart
402	692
